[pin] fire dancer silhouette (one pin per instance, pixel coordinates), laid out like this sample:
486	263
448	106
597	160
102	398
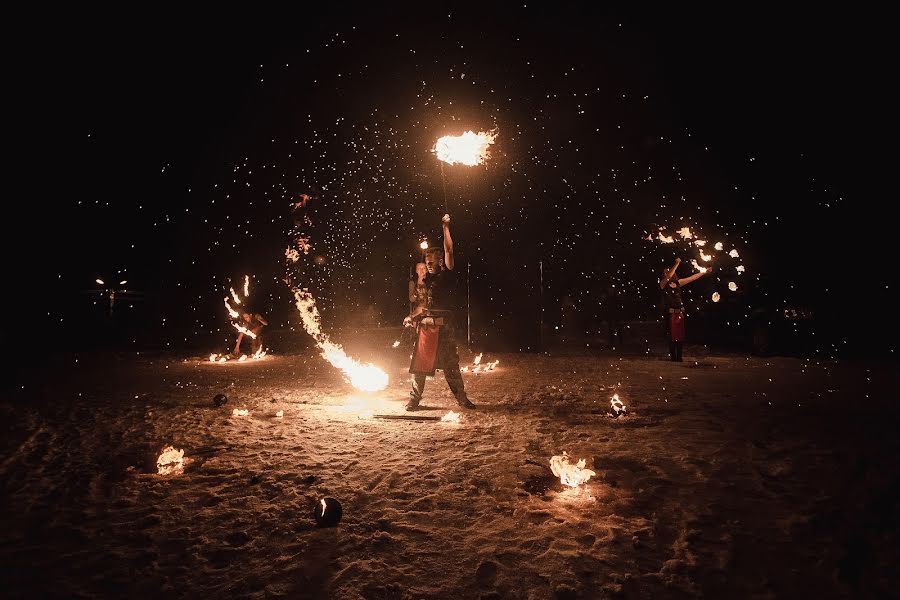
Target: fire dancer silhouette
435	341
254	323
673	307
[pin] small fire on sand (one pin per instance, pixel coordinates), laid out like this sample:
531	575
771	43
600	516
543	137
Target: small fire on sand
569	474
170	461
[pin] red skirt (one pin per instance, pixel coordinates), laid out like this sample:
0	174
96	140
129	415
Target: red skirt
677	326
424	360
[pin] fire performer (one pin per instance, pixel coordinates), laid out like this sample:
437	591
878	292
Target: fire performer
673	307
435	343
254	323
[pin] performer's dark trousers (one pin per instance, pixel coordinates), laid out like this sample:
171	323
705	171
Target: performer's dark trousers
448	361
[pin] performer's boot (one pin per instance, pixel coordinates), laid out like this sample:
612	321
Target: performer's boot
678	348
415	394
455	382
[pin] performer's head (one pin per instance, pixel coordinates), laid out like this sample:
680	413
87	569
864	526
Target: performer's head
434	260
420	270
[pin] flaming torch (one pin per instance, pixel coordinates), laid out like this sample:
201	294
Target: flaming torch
469	148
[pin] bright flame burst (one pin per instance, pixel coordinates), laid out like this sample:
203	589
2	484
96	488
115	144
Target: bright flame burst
234	314
367	378
569	474
234	295
450	417
697	266
617	405
716	297
246	286
469	148
170	461
244	330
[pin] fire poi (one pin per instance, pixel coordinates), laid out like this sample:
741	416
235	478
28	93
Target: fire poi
239	325
365	377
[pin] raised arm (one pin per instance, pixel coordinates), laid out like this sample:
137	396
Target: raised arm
669	275
694	277
448	243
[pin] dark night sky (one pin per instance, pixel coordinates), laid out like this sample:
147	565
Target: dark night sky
172	151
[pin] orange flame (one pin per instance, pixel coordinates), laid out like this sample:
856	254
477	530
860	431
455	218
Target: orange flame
170	461
469	148
569	474
368	377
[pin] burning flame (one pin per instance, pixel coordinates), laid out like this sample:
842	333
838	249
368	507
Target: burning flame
234	314
246	286
719	245
244	330
170	461
740	268
732	286
279	414
617	406
734	254
324	506
368	377
697	266
240	412
424	245
395	344
569	474
665	239
706	257
469	148
700	243
235	296
477	360
685	232
450	417
716	297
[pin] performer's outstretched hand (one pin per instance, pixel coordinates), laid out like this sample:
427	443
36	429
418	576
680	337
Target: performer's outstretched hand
446	220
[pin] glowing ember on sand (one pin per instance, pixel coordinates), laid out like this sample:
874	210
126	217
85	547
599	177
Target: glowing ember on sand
395	344
170	461
477	360
279	414
569	474
732	286
617	406
368	377
716	297
450	417
469	148
240	412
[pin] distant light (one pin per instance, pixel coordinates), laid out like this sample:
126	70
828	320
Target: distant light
123	282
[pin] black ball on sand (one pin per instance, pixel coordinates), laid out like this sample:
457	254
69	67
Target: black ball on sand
219	399
328	512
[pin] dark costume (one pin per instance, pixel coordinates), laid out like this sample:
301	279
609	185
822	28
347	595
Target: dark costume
436	341
673	318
